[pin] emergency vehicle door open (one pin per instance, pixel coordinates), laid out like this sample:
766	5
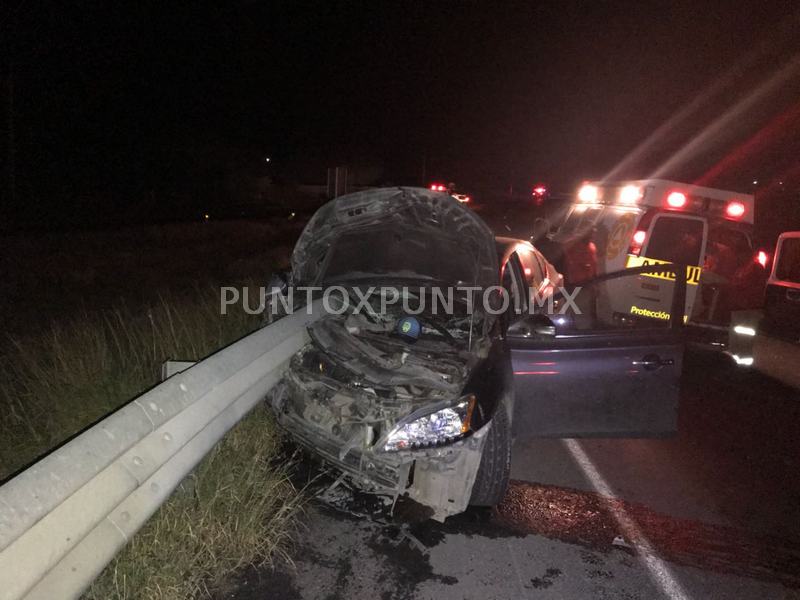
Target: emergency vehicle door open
671	239
613	226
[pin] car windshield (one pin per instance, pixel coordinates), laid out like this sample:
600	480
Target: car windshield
579	219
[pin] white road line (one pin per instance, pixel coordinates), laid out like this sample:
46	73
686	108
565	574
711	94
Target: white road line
657	569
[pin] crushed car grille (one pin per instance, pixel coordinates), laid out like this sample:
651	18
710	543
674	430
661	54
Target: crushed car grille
380	475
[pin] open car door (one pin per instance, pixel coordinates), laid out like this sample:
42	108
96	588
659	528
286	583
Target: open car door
581	368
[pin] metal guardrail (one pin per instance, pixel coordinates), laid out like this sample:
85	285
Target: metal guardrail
63	519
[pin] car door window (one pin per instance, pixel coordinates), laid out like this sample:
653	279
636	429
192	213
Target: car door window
514	285
630	299
531	268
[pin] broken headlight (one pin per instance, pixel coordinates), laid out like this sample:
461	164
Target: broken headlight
433	429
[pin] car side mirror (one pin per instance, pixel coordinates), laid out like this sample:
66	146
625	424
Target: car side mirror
537	325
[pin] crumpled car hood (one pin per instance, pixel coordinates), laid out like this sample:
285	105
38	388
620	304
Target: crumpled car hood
411	233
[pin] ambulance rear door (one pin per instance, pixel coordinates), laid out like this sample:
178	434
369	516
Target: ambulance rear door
671	238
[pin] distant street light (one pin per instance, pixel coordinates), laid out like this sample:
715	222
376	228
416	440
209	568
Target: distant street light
267	159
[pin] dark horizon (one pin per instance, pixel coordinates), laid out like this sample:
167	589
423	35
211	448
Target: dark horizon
116	108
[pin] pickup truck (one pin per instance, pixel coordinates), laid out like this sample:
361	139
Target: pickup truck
769	339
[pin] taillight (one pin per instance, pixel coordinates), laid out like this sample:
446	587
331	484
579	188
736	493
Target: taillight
676	200
762	258
637	241
437	187
539	190
734	210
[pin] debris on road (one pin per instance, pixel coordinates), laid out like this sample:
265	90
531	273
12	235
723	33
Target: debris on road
619	542
589	519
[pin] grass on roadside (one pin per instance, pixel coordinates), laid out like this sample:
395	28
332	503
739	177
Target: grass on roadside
56	383
234	510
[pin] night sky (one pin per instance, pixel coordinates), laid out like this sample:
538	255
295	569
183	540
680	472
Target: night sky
127	101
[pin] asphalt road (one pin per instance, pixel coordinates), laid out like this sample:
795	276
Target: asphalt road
711	513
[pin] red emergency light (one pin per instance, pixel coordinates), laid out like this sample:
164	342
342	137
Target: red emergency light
637	241
734	210
539	190
437	187
676	200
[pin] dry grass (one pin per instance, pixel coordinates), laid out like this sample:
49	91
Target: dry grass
54	384
74	351
237	509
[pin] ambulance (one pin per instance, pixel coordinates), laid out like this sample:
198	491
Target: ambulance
613	226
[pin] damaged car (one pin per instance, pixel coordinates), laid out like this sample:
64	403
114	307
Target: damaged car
424	412
409	388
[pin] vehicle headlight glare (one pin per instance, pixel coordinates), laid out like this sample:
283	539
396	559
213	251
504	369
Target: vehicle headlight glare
437	428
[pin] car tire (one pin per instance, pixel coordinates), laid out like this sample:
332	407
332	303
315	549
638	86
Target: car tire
491	481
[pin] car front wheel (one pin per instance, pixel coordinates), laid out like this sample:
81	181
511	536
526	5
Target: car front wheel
491	481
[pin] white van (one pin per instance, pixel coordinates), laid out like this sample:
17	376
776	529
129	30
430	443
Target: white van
654	221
